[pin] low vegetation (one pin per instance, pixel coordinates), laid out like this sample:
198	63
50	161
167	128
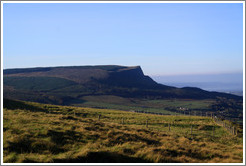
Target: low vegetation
37	83
69	85
165	106
45	133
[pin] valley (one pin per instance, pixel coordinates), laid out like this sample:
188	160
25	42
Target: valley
115	114
115	87
122	83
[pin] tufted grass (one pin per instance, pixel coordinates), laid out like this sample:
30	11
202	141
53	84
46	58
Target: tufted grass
41	133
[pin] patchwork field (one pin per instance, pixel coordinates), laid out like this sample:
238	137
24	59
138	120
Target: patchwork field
45	133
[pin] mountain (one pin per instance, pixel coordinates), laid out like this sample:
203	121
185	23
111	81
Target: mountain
66	85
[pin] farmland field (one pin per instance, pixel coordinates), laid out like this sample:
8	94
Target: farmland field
165	106
43	133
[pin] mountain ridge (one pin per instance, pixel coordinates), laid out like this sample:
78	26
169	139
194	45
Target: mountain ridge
72	82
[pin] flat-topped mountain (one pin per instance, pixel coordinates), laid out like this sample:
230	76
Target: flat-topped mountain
110	74
65	85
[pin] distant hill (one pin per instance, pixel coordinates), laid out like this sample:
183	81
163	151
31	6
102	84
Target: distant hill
66	85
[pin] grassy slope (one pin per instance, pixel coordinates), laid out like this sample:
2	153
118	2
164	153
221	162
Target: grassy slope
37	83
157	106
46	133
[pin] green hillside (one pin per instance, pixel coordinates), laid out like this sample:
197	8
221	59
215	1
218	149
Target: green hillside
45	133
98	80
114	87
37	83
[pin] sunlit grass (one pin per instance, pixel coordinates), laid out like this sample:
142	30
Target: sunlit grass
48	133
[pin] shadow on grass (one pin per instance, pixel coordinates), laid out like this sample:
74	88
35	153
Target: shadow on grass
13	104
25	144
102	157
62	138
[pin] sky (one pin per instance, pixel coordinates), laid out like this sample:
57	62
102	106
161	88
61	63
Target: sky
164	39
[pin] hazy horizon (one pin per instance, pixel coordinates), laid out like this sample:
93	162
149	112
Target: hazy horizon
226	82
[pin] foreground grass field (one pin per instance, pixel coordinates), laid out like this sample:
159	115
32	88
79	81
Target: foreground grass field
36	132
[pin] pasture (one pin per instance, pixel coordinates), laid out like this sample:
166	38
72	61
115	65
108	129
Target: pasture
45	133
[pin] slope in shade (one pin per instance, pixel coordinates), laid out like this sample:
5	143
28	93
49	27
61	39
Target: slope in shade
74	82
37	83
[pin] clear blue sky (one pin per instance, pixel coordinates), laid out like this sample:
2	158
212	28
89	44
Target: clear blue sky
164	39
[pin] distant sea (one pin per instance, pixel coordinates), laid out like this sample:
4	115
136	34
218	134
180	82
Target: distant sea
228	83
233	88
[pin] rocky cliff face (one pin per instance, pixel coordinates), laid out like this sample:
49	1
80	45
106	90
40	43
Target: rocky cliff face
130	77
